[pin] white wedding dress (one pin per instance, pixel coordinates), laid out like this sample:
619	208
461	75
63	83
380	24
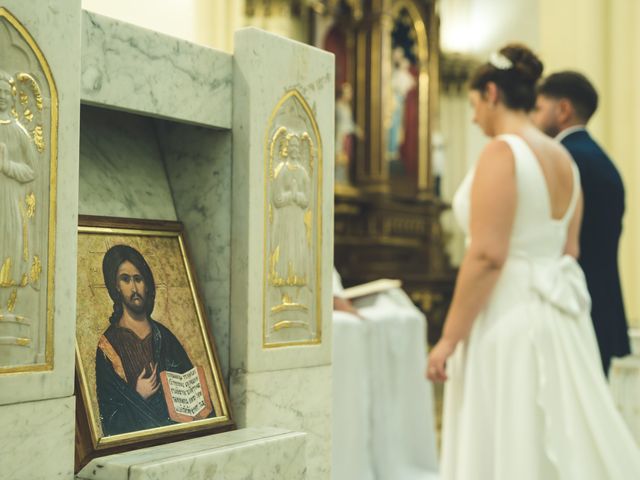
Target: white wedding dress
526	398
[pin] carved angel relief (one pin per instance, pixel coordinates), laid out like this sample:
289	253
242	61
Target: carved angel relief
292	233
26	176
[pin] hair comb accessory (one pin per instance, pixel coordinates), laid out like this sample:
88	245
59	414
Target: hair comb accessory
500	62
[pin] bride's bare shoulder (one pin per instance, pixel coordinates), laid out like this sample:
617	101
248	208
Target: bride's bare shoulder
496	154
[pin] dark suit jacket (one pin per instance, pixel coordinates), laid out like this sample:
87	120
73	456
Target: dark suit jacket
599	237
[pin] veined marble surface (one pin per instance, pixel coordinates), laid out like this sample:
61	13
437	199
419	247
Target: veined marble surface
252	453
55	26
198	163
121	169
138	70
297	399
37	440
266	67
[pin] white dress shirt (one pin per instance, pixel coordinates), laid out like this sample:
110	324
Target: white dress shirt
568	131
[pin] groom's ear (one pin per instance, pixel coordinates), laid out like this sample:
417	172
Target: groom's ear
566	110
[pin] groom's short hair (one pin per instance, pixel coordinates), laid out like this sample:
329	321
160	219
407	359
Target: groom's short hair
573	86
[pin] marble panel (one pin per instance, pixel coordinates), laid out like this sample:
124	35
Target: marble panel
43	431
138	70
268	71
297	399
198	164
121	169
252	453
55	27
28	136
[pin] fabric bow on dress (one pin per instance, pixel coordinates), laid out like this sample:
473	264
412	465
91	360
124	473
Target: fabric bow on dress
562	283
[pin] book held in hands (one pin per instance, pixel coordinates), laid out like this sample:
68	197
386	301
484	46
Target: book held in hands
370	288
186	394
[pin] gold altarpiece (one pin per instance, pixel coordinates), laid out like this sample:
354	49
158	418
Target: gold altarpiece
387	208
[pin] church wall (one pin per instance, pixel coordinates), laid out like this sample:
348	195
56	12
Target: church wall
623	120
600	38
151	14
205	22
480	26
472	29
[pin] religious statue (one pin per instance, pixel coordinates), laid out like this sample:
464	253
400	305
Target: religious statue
346	129
402	82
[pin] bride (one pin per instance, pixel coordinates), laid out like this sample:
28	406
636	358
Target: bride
525	396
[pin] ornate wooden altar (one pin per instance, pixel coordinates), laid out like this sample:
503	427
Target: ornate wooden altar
387	212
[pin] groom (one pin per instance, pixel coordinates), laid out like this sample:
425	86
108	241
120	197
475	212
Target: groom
565	103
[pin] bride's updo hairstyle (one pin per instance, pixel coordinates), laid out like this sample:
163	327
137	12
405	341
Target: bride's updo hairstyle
514	69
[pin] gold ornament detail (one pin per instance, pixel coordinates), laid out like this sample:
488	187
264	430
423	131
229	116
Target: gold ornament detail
11	304
38	138
308	219
36	270
5	273
30	202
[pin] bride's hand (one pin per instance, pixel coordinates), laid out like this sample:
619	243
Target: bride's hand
436	368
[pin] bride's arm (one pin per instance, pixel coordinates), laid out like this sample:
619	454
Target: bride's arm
493	206
572	247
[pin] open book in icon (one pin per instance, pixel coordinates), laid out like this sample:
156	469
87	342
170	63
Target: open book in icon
186	394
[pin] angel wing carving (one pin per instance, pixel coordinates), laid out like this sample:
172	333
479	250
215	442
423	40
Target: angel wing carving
29	108
277	148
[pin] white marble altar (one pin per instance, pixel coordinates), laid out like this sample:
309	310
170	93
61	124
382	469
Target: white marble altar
281	371
134	69
156	143
252	453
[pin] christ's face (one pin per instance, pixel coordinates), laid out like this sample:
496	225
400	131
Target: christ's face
132	287
6	97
